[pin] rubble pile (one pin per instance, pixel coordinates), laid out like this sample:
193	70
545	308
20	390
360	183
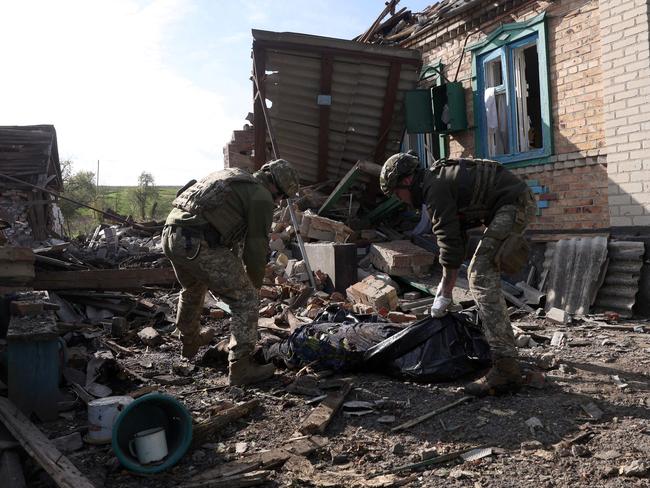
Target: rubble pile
95	328
14	208
394	27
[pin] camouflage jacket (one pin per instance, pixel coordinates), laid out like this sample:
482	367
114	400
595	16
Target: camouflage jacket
461	194
244	217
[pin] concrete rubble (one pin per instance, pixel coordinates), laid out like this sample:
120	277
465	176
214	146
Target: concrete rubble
118	335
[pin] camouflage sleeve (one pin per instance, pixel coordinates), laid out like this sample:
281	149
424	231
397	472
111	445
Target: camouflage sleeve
259	219
445	224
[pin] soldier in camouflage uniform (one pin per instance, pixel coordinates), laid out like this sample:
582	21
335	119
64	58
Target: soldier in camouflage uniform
460	194
210	221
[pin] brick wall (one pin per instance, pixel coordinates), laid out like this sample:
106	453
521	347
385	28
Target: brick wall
575	180
571	195
626	79
237	153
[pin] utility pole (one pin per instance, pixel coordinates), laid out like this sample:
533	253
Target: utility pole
98	174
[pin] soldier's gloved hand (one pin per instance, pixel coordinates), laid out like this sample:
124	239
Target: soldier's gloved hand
439	307
440	303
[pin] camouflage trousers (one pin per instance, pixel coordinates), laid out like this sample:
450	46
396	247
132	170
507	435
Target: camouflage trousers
219	270
484	274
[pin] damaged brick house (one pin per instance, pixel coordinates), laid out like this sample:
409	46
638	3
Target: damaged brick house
556	90
30	154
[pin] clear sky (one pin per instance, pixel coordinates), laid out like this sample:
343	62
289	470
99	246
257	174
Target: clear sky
152	86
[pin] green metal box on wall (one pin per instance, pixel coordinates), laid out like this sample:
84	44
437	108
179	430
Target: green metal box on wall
418	109
448	102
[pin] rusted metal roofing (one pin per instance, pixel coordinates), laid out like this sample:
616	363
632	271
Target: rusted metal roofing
30	153
358	122
575	270
621	284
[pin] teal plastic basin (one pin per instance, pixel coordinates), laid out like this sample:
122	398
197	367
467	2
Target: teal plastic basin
147	412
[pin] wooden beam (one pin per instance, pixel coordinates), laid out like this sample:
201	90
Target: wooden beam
387	112
62	471
259	122
204	430
321	416
104	279
326	72
267	459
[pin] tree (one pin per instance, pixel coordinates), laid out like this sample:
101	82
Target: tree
144	194
81	187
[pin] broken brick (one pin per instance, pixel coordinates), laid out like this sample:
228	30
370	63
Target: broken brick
401	258
400	318
374	292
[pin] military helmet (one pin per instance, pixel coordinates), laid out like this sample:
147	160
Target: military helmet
395	168
284	176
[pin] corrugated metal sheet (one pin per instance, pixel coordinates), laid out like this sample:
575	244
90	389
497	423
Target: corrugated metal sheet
621	284
358	90
30	153
575	270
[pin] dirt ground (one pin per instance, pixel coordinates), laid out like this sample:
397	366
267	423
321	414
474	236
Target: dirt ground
524	452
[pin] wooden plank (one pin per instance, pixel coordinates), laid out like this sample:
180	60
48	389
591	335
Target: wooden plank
268	459
319	418
103	279
202	431
62	471
326	71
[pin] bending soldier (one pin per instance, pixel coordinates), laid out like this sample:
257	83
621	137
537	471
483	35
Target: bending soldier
460	194
212	220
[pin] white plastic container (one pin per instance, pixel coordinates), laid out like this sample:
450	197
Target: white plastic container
101	417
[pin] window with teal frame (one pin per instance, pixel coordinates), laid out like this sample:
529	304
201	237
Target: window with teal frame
512	107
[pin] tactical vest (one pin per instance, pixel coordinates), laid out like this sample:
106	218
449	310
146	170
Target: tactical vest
472	195
212	191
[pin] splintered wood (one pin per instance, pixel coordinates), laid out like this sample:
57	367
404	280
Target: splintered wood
59	467
321	416
204	430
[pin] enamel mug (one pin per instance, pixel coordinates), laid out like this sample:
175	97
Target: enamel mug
149	445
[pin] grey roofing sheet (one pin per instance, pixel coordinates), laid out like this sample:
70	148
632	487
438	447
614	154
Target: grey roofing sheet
358	90
30	153
575	273
618	292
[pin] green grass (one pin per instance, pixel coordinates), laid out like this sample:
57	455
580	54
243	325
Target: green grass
118	198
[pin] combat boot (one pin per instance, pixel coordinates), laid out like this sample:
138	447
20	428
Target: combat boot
192	343
245	371
503	377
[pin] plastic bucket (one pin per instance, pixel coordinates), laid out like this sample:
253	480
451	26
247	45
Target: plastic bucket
151	411
101	417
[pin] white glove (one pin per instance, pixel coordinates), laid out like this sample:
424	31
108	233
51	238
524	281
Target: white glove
439	307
